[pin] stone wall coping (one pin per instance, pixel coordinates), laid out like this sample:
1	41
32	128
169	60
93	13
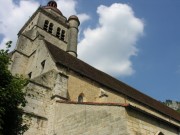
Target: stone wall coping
93	103
60	97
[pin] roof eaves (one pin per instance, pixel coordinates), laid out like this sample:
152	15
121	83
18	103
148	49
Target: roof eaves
93	103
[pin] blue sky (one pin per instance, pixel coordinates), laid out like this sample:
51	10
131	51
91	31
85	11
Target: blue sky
147	59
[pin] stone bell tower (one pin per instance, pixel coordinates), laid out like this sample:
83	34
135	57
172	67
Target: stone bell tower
46	30
47	23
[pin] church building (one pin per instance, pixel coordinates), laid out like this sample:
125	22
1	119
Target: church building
67	96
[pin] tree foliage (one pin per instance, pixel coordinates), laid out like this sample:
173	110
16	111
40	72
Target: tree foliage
12	97
178	110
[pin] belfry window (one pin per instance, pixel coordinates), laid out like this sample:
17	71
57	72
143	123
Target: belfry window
63	35
58	32
50	28
46	23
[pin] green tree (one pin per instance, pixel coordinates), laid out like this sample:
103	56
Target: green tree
178	110
12	97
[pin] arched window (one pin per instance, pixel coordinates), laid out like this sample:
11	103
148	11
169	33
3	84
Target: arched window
63	35
50	28
46	25
80	98
58	32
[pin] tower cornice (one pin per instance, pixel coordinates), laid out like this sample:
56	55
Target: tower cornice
42	10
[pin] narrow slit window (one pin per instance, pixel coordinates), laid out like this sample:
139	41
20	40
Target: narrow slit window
58	32
46	25
63	35
29	75
43	64
50	28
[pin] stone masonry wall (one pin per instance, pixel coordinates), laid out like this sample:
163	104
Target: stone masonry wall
81	119
141	124
37	125
92	91
36	110
20	61
42	93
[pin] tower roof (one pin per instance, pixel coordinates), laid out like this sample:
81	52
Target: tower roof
74	17
52	5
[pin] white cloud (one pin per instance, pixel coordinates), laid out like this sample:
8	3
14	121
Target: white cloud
68	8
83	17
13	16
110	46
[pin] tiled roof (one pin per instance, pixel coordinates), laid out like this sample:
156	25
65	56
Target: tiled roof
63	58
